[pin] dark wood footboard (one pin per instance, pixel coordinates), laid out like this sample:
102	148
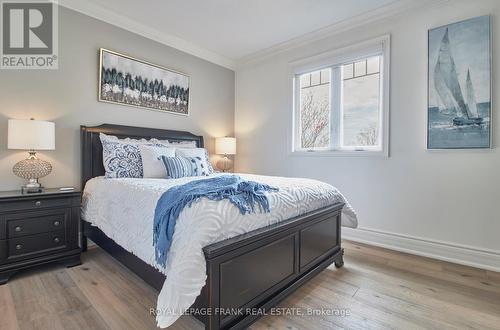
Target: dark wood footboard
258	269
253	271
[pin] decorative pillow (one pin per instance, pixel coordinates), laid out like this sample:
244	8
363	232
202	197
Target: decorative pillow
121	160
122	157
199	166
151	163
196	152
178	167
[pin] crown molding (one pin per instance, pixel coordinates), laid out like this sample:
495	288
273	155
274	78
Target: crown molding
381	13
129	24
126	23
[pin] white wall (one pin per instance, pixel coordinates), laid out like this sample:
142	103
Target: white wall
448	197
68	96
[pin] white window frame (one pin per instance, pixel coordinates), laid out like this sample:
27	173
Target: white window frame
334	59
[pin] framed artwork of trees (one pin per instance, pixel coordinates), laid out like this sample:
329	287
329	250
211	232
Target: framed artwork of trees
129	81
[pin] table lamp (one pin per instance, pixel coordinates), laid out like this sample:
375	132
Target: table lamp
31	135
225	146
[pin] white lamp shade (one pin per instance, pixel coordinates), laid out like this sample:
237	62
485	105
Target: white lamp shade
31	134
225	146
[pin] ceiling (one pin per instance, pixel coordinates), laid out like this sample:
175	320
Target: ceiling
228	31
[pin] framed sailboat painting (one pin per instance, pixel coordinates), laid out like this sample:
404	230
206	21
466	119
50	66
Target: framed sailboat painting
459	85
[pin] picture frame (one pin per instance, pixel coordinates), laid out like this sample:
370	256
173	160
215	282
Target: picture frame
133	82
459	85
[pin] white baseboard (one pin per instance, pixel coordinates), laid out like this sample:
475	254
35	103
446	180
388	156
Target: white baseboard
459	254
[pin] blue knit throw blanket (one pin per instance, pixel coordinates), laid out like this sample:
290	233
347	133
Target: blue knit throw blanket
243	194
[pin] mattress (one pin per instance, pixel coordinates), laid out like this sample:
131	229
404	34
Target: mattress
124	209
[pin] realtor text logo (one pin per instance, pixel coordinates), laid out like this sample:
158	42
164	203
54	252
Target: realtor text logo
29	35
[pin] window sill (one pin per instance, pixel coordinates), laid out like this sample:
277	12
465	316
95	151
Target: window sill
340	153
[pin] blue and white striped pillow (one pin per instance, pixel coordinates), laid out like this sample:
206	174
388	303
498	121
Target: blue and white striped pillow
179	167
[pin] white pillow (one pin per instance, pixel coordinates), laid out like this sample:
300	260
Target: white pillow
151	162
180	144
202	153
112	138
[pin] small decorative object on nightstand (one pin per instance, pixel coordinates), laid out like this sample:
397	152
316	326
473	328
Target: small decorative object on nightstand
31	135
38	228
225	146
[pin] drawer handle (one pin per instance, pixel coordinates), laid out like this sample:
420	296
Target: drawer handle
56	240
38	203
19	246
18	228
57	223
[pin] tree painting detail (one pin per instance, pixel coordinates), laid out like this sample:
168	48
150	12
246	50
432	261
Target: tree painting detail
459	104
133	82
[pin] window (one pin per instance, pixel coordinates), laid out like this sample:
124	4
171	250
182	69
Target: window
360	107
341	101
315	109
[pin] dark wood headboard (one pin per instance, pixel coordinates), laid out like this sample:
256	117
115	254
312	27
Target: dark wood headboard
92	148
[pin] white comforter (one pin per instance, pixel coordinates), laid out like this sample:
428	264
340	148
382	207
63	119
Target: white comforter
124	208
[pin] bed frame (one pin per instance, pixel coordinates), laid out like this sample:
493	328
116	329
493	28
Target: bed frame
255	270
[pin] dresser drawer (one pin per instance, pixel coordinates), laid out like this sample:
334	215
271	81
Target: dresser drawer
36	203
36	222
38	228
35	244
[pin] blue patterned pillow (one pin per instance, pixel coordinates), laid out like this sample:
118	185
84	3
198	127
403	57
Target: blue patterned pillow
200	167
179	167
121	160
209	163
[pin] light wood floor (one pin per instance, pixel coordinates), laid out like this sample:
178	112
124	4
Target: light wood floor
378	288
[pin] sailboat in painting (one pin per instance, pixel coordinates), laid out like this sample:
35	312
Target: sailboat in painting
449	90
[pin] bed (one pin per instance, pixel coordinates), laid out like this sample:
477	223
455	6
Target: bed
245	268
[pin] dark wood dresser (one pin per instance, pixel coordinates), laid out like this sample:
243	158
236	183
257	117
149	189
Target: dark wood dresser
39	228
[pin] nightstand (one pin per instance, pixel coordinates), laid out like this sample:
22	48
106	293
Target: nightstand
39	228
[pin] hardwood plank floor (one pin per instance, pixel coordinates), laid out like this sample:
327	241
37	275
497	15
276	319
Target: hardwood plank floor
376	289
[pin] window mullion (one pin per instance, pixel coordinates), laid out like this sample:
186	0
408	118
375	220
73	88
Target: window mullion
335	104
298	122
